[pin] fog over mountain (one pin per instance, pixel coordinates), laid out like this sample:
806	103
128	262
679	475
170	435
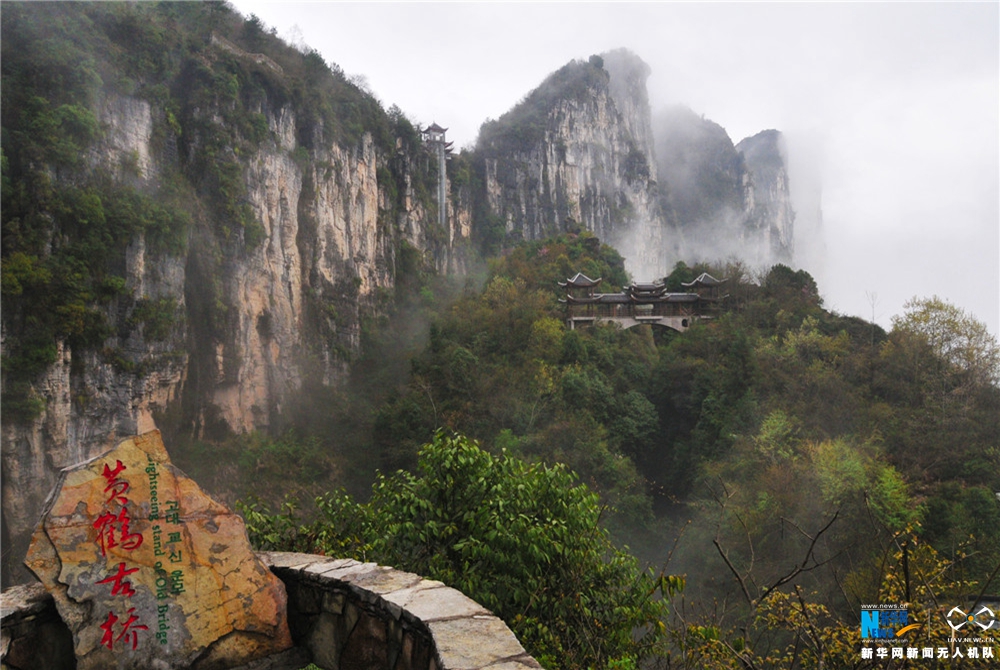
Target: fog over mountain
224	236
890	111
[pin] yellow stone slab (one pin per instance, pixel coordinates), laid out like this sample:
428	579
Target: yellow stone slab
148	571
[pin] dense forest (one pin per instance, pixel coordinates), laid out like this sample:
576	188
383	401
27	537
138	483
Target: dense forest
726	497
776	467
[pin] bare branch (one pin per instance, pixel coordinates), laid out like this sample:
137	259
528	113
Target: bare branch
805	561
747	661
986	586
732	569
746	529
677	539
426	388
813	633
895	541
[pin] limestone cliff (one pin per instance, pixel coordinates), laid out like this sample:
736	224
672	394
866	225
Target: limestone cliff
728	200
699	165
770	218
259	234
198	219
578	151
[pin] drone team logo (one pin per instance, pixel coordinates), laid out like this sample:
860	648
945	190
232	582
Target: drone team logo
882	626
984	618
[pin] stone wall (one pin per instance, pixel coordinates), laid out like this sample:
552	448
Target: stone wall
343	614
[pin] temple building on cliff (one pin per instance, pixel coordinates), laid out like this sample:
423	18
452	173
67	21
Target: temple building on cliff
637	304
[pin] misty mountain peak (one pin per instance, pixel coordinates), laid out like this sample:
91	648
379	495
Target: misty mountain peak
770	214
727	199
628	75
764	151
625	65
700	165
577	152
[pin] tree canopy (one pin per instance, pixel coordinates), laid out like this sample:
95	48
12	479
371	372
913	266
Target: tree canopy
954	336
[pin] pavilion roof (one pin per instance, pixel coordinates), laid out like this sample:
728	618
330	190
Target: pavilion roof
625	299
434	128
704	279
646	290
580	280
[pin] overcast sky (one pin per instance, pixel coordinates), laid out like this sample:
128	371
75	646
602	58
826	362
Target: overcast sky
895	108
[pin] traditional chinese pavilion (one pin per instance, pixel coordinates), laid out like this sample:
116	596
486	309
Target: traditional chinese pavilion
637	304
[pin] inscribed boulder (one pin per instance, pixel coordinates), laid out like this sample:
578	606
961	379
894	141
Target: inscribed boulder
149	572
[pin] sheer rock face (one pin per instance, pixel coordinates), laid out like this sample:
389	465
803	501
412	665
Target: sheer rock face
701	168
770	218
578	151
149	572
728	200
627	85
251	323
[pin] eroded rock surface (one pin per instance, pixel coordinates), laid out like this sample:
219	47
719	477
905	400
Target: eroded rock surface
149	572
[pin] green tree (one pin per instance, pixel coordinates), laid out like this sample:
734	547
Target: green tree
522	539
955	336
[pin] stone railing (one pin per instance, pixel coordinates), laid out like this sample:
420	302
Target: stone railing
342	614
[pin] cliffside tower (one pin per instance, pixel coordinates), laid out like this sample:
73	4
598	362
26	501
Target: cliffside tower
434	137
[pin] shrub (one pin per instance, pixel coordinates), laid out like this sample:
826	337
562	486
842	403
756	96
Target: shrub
522	539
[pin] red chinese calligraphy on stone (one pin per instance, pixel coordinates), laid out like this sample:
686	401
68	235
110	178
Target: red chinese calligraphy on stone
119	585
108	638
106	532
129	631
108	524
117	487
110	474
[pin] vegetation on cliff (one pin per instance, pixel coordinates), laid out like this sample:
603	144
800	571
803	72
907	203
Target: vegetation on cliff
523	127
73	204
